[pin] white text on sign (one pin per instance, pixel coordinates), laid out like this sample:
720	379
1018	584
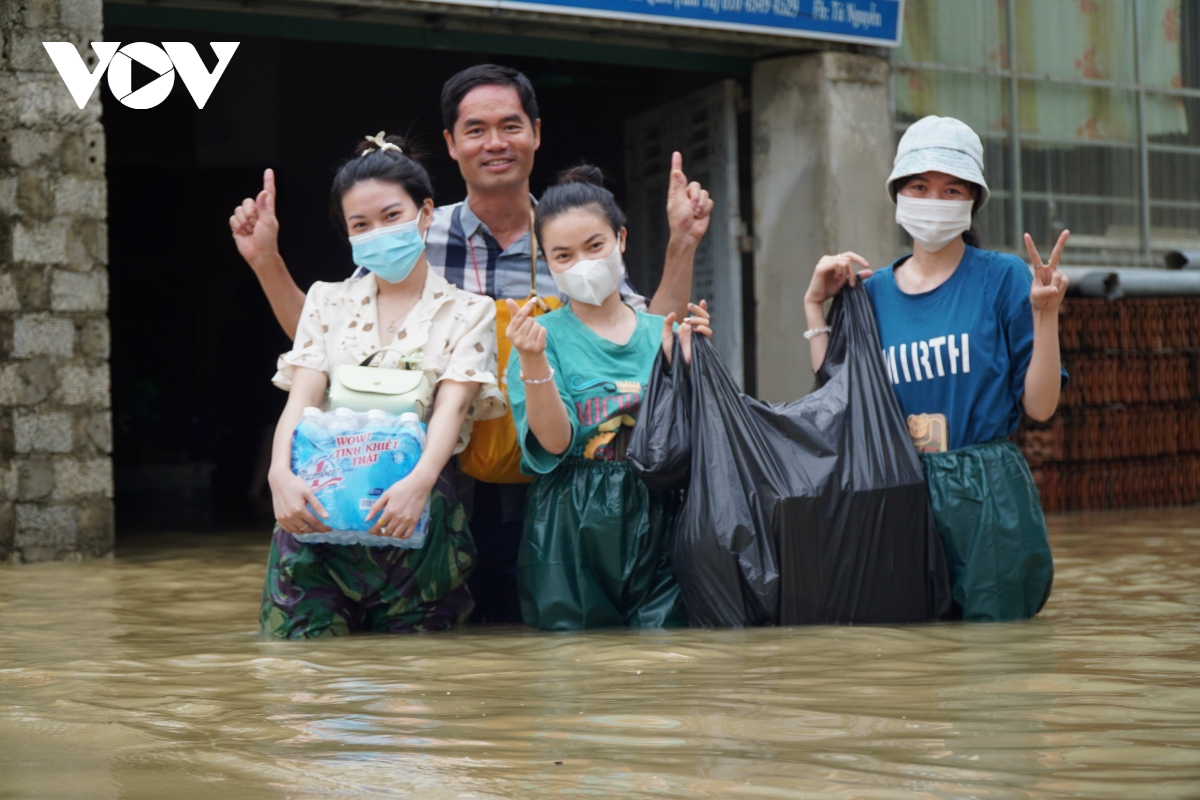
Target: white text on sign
165	61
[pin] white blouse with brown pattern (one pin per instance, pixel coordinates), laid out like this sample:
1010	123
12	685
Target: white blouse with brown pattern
455	332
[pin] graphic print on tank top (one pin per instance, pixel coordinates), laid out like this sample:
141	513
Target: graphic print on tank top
612	413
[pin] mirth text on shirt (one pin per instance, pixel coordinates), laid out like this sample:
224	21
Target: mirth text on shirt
929	359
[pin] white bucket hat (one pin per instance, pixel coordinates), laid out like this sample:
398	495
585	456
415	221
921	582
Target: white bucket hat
940	144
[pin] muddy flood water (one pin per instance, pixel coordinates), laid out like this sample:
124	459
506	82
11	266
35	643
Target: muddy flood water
144	677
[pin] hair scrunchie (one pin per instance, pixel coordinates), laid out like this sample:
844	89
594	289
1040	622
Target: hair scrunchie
380	145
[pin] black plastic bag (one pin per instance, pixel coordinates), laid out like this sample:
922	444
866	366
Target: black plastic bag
665	456
813	511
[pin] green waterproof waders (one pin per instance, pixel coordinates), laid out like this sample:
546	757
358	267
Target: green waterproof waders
596	551
987	510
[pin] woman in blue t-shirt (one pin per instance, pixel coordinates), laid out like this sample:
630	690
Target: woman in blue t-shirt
596	549
970	339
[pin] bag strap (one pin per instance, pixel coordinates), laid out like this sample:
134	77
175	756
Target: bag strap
533	251
411	357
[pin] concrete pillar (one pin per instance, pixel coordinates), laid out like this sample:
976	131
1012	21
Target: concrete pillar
55	418
823	149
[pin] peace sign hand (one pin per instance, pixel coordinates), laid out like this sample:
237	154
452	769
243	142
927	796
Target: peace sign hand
1049	285
254	225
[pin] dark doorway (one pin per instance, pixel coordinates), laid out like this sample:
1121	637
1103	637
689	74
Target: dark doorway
194	341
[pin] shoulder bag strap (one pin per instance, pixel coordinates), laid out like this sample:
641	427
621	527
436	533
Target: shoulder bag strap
410	357
533	251
533	254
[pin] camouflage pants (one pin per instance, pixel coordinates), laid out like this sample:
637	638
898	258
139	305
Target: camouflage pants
331	589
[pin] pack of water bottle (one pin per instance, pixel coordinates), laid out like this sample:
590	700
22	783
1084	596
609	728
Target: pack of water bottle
349	459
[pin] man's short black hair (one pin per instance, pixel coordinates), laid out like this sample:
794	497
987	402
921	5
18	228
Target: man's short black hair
459	84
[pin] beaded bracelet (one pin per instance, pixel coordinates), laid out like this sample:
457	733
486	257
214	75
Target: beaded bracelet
817	332
536	381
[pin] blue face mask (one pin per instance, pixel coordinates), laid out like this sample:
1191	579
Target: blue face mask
390	252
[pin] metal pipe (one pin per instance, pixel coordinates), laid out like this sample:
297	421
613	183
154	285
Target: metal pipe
1037	77
1158	282
1014	126
1182	259
1092	282
1143	153
1113	284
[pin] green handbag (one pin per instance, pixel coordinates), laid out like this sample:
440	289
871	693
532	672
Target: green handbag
396	391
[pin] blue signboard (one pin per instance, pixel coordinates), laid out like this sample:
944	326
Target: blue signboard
874	22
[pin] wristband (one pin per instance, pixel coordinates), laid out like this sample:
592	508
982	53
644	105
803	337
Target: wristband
817	332
536	381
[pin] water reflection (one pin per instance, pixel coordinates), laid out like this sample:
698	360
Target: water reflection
144	677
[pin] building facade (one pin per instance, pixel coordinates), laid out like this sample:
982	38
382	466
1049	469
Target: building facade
788	111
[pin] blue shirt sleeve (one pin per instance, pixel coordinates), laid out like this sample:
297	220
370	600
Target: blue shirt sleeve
535	459
1017	316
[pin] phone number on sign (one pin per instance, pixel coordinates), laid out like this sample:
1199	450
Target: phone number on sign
780	8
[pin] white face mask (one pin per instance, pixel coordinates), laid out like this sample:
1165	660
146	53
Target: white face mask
592	281
933	224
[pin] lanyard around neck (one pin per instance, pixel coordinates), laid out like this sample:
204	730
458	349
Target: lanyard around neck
533	251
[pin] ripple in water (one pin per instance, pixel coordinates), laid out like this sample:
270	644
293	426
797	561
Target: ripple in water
144	676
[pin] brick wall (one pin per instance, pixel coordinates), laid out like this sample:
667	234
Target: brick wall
55	417
1127	432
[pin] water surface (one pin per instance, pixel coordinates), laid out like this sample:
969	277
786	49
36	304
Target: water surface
144	676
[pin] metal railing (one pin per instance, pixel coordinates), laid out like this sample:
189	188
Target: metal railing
1150	184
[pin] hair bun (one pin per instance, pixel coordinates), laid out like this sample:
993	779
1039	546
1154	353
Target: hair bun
582	173
366	145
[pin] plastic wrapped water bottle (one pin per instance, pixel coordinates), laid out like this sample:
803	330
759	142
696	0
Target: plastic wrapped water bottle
350	459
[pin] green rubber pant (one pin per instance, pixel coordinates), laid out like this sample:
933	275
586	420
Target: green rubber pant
596	551
988	513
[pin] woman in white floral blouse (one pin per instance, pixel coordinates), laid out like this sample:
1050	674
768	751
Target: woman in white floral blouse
384	200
